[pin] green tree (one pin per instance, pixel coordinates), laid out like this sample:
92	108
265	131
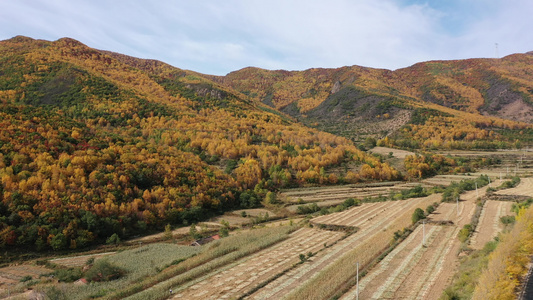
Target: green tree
114	239
193	232
224	230
58	242
168	232
418	215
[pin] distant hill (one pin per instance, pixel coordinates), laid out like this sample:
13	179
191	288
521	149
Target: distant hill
94	143
357	102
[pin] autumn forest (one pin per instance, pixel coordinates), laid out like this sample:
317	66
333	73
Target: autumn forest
94	143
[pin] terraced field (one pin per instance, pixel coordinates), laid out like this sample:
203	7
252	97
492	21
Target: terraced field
242	276
10	276
376	222
329	196
410	269
414	271
78	261
489	222
524	188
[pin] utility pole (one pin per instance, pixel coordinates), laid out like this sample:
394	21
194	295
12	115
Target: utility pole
423	233
457	200
496	50
477	192
357	283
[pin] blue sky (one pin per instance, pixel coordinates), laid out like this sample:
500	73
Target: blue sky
217	37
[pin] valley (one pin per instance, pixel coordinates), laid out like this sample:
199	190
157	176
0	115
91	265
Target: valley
127	178
317	260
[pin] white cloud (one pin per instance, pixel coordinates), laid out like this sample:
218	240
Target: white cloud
217	37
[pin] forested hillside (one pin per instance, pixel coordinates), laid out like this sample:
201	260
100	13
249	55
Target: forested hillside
94	143
474	103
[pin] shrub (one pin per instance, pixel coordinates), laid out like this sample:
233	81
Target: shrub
168	232
308	209
103	270
418	215
67	275
507	220
26	278
430	209
465	232
113	239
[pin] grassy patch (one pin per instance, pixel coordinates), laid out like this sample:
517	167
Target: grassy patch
465	280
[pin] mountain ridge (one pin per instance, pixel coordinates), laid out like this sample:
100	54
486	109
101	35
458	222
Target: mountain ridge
95	144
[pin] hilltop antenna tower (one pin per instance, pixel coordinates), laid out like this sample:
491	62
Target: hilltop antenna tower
496	50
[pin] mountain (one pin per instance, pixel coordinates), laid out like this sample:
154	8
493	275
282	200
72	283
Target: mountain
95	143
485	99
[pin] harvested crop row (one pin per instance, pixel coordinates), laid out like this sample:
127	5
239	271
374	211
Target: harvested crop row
409	270
359	215
328	275
251	271
292	280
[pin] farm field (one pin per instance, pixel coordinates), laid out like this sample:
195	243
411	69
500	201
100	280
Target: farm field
327	196
376	222
245	274
524	188
445	180
412	271
78	261
10	276
395	152
489	222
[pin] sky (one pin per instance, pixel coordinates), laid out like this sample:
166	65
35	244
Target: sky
219	36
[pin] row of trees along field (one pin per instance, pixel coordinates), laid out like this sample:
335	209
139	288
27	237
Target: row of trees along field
91	146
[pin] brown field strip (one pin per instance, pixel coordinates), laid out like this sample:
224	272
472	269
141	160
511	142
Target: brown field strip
524	188
13	274
395	152
489	222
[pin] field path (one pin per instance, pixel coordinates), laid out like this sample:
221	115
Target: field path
248	272
489	222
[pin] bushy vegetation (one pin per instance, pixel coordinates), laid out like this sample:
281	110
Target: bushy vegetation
418	215
509	262
103	270
452	192
521	205
510	183
465	233
465	280
313	207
